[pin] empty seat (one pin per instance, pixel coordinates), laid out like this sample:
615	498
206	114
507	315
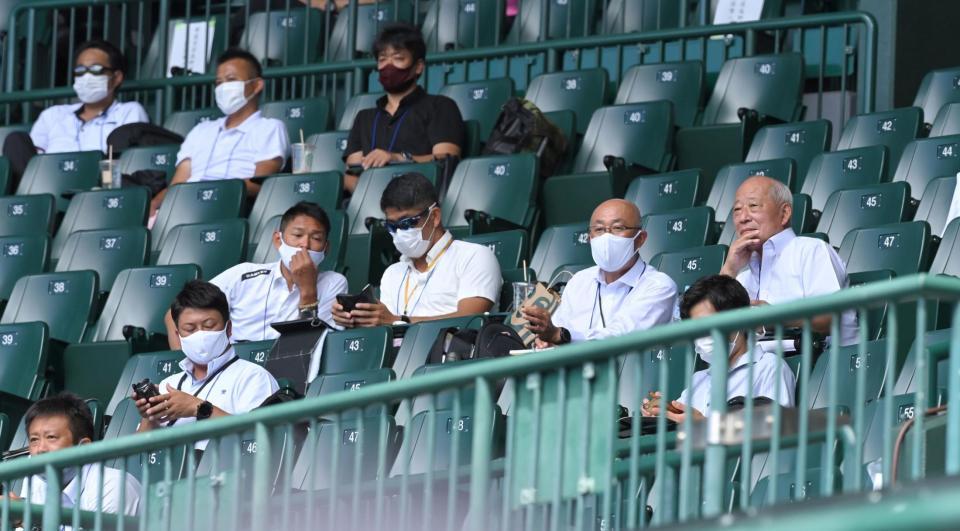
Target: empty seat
57	173
935	204
181	122
639	133
947	259
285	37
326	384
214	246
196	203
449	432
65	301
307	116
354	440
106	251
358	349
370	20
154	158
938	88
560	245
580	91
573	18
26	214
453	24
663	192
509	246
101	209
836	170
947	121
893	129
4	175
572	198
903	248
491	193
863	206
676	230
328	151
480	100
23	360
154	366
926	159
730	177
849	362
800	141
21	256
280	192
786	489
354	105
680	83
689	265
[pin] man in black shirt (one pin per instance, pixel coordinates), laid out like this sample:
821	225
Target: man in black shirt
407	125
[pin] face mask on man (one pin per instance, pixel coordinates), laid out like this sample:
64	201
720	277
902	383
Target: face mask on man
704	347
396	80
203	346
410	242
91	88
611	252
287	252
231	96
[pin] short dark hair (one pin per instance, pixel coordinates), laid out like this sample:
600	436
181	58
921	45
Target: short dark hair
199	295
306	208
723	292
117	61
239	53
410	190
63	405
401	36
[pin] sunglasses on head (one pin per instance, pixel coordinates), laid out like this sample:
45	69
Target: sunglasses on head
97	70
408	222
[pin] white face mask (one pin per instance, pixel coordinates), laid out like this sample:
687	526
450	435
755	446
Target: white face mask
287	252
611	252
704	347
410	242
203	346
230	96
91	88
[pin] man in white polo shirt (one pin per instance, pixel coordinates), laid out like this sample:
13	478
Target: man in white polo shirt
621	294
291	288
241	145
437	277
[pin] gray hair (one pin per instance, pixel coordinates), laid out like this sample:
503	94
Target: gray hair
780	193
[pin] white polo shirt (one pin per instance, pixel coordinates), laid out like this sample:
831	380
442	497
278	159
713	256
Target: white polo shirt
59	129
86	491
258	296
765	381
592	309
218	153
794	267
461	270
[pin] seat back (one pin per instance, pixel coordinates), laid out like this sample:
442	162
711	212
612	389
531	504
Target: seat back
903	248
680	83
509	246
354	440
64	301
947	259
926	159
893	129
503	186
23	358
56	173
935	204
365	201
254	351
849	362
452	24
729	178
626	16
155	158
938	88
947	121
452	444
21	256
154	366
197	202
181	122
676	230
282	37
357	349
863	206
307	116
640	133
328	151
106	251
689	265
214	246
800	141
571	198
580	91
420	337
280	192
102	209
370	20
836	170
560	245
125	421
573	18
480	100
768	84
647	365
326	384
355	104
26	214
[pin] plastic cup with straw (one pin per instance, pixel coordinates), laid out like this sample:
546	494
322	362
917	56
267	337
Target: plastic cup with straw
302	155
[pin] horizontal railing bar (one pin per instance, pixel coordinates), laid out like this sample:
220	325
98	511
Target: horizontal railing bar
87	518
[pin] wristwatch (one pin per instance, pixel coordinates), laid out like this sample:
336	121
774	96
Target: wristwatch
204	410
407	156
564	336
405	319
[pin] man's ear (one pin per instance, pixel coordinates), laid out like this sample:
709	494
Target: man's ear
85	440
641	238
420	66
117	79
276	239
229	328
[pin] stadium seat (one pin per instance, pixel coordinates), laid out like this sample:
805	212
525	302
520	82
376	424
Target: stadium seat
786	489
283	38
580	91
873	432
626	16
649	362
876	315
156	158
4	175
935	204
481	100
333	261
638	133
196	203
654	194
214	246
903	248
235	453
420	337
106	251
5	130
574	18
26	214
65	301
326	384
370	20
937	346
453	24
491	193
353	350
414	456
848	363
59	173
328	151
23	361
125	421
836	170
680	83
572	198
510	246
677	230
893	129
307	116
354	105
947	259
800	141
154	366
280	192
938	88
91	370
688	265
101	209
926	159
863	206
801	220
947	121
21	256
152	65
254	351
560	245
730	177
181	122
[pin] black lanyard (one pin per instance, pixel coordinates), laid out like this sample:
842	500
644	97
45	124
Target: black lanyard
599	301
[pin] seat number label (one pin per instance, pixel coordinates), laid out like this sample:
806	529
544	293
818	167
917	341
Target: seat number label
947	151
852	164
637	116
354	385
462	424
112	202
691	265
58	287
676	225
667	76
889	241
887	126
13	249
797	137
165	367
207	194
354	344
8	339
160	280
110	243
572	83
500	169
870	200
304	187
766	69
17	209
669	188
210	236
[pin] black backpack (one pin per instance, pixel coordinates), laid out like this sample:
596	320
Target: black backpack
494	340
522	127
139	135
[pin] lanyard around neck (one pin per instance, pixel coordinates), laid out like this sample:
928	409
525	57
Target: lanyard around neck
599	302
431	267
396	130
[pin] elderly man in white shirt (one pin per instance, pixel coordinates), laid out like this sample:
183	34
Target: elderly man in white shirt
437	277
771	376
774	264
241	145
621	294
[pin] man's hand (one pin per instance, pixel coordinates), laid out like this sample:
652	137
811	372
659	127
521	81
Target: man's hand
372	314
304	274
172	406
155	205
677	412
539	322
341	316
377	158
740	250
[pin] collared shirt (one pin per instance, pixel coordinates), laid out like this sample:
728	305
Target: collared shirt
421	121
86	491
59	129
765	381
258	296
794	267
461	270
219	153
593	309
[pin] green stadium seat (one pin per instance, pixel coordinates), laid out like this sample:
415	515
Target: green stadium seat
510	246
254	351
848	363
442	400
21	256
876	315
106	251
935	204
181	122
800	141
574	18
903	248
560	245
309	116
282	38
480	100
196	203
689	265
491	194
938	88
328	151
947	259
787	490
730	177
65	301
418	339
152	65
893	129
92	370
26	214
664	192
101	209
937	345
280	192
23	361
414	457
59	173
681	83
333	261
235	453
639	133
124	421
314	468
566	122
4	175
926	159
626	16
214	246
453	24
863	206
677	230
353	350
580	91
354	105
326	384
154	366
156	158
873	432
947	121
572	198
649	362
370	20
836	170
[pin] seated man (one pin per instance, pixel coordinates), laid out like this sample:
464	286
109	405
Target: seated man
242	144
437	277
291	288
772	378
214	381
408	125
621	294
63	421
774	264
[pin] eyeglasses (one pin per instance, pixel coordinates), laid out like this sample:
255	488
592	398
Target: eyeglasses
408	222
97	70
617	230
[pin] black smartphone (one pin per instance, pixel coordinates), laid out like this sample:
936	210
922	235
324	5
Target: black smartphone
349	302
145	389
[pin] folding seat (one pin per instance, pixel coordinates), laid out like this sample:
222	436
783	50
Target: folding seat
638	133
863	206
101	209
181	122
280	192
926	159
355	440
481	100
282	37
689	265
152	65
453	24
935	204
64	300
328	151
836	170
125	421
625	16
57	173
334	259
560	245
937	346
420	337
572	198
326	384
354	105
309	116
893	129
23	366
849	363
254	351
680	83
357	349
799	222
491	193
947	259
26	214
21	256
730	177
676	230
106	251
155	158
370	20
580	91
947	121
196	203
154	366
938	88
640	372
903	248
214	246
873	432
510	246
574	18
767	86
663	192
800	141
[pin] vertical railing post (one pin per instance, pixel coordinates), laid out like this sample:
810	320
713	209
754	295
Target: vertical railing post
953	413
51	511
261	478
715	455
480	460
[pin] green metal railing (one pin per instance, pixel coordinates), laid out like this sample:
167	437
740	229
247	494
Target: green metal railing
555	461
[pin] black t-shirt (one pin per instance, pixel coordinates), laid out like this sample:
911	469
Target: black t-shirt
421	122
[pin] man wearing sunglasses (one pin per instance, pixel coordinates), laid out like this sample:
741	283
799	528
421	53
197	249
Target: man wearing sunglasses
437	277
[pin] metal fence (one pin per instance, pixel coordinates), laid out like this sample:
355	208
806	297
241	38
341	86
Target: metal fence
534	441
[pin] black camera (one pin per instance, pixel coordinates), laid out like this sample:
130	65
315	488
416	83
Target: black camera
145	389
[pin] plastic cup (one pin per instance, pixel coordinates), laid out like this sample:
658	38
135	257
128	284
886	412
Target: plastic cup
109	174
302	157
522	291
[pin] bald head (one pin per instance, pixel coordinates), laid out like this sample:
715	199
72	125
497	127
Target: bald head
614	211
763	207
774	190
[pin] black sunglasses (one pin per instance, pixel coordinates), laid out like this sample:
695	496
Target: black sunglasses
408	222
97	70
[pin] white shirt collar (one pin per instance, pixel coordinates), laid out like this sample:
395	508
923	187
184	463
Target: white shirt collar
434	251
215	365
773	247
244	127
631	278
